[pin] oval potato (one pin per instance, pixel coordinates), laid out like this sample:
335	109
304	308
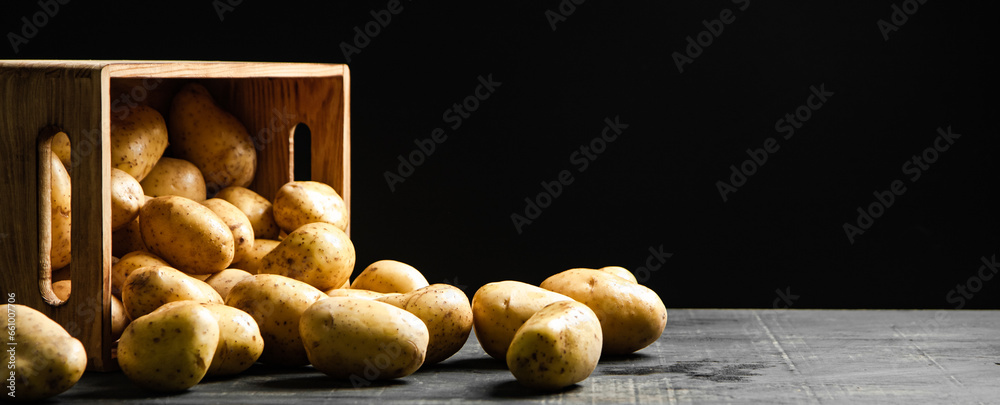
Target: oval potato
186	234
301	202
238	223
319	254
632	315
557	347
138	140
126	199
500	308
148	288
175	177
390	276
347	337
48	361
257	209
276	303
169	350
445	310
61	191
61	147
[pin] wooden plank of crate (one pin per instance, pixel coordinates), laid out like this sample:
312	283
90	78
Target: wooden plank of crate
35	96
704	356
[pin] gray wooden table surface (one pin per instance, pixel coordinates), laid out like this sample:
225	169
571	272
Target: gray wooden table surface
704	356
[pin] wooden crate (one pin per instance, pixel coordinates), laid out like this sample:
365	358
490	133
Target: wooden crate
79	97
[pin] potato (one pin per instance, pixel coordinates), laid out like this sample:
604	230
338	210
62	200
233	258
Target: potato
445	310
169	350
186	234
276	303
390	276
632	315
251	260
138	139
557	347
350	292
500	308
127	239
60	209
240	342
47	360
61	289
238	222
130	262
126	199
257	209
61	147
225	280
318	253
363	340
620	272
119	319
301	202
148	288
175	177
212	139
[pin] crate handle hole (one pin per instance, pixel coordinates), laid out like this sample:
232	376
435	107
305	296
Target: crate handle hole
49	139
301	149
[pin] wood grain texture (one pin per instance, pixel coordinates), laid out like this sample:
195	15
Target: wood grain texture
704	356
77	97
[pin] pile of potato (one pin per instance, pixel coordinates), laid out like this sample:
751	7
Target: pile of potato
209	286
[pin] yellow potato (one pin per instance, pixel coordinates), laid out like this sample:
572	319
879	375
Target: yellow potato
119	319
240	342
148	288
186	234
632	315
130	262
257	209
445	310
61	201
390	276
620	272
276	303
363	340
251	260
169	350
61	147
318	253
225	280
175	177
126	199
138	139
211	138
557	347
301	202
238	223
500	308
47	360
127	239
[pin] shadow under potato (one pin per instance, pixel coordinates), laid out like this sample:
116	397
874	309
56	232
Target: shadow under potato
475	364
325	382
514	389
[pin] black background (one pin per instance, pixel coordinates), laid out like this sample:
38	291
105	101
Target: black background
655	185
